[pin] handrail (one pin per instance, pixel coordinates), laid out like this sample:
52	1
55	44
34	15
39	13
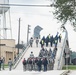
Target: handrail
17	57
15	63
62	50
20	58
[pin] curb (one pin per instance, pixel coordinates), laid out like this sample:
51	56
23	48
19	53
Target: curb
65	72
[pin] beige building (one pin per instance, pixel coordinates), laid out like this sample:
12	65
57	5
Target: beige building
7	49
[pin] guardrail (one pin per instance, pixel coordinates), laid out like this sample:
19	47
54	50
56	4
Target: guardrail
61	55
19	55
15	65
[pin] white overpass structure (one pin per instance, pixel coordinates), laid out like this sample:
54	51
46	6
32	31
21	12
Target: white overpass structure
4	18
64	45
59	60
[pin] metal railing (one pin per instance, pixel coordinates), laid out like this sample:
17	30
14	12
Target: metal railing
61	55
19	55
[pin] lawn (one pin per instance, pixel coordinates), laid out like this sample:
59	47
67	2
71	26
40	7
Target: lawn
70	67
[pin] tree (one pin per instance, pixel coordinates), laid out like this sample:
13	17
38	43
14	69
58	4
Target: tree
65	10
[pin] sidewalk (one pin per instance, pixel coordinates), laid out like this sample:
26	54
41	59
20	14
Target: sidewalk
72	72
5	69
21	72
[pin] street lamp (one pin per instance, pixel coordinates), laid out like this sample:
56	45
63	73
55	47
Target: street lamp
19	36
28	31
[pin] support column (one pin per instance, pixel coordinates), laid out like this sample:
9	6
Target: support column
4	25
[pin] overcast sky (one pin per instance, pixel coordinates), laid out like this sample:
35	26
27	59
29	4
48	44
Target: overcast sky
34	16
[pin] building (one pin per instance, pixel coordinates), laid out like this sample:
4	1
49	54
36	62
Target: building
7	49
7	46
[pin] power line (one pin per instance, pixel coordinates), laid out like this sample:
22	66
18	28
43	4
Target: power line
6	5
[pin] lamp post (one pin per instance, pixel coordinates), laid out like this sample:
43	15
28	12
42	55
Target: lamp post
19	35
28	31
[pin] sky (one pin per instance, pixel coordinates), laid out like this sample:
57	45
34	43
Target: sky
34	16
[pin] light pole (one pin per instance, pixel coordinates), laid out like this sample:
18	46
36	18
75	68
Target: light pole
28	31
19	35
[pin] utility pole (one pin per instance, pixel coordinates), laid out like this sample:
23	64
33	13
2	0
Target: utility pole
28	31
19	35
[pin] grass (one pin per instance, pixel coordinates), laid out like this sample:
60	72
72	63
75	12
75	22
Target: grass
5	66
70	67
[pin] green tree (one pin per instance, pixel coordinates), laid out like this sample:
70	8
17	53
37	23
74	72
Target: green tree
65	10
